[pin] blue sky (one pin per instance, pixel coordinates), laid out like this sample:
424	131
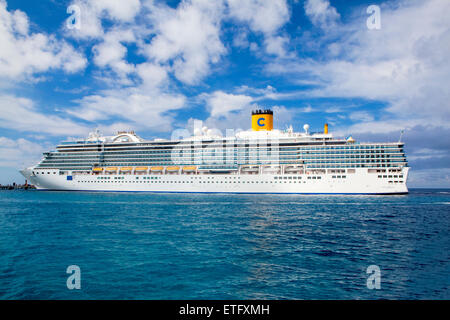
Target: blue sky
155	66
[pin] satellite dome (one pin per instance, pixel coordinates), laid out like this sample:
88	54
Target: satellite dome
306	127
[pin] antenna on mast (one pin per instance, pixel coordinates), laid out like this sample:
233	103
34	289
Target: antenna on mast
401	135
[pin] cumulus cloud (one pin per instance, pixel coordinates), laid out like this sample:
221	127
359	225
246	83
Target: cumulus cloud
232	110
321	13
19	152
144	110
182	43
20	114
276	45
152	75
266	17
188	37
23	54
262	16
118	9
241	119
361	116
93	11
404	67
111	26
221	103
185	40
403	64
112	52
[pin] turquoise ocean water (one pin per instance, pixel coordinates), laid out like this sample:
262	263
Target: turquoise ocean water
218	246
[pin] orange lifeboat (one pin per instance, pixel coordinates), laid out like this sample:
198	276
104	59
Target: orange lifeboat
141	169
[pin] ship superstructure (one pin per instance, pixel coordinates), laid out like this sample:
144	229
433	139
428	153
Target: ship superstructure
261	160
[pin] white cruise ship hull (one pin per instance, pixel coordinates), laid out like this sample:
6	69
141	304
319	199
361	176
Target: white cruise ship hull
359	182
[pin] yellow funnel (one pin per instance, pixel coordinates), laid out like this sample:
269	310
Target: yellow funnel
325	128
262	120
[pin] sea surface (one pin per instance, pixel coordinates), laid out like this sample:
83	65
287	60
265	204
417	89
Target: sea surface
218	246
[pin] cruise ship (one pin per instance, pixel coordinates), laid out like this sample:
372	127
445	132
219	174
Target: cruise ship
260	160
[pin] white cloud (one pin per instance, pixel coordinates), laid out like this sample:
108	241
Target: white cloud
152	75
429	178
93	11
276	45
20	22
361	116
405	64
233	110
24	54
188	36
240	38
143	110
333	109
147	104
307	109
241	119
221	103
90	25
262	16
20	114
321	13
266	17
118	9
19	152
112	53
267	93
183	42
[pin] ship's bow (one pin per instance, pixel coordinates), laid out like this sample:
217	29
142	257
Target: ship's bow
27	173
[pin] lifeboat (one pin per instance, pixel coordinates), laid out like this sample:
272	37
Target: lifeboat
173	168
126	169
97	169
140	169
271	169
189	168
111	169
293	169
157	169
250	168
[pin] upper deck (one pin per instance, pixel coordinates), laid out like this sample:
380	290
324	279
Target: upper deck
260	146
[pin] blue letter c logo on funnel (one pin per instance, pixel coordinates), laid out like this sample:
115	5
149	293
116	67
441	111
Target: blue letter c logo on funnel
259	122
